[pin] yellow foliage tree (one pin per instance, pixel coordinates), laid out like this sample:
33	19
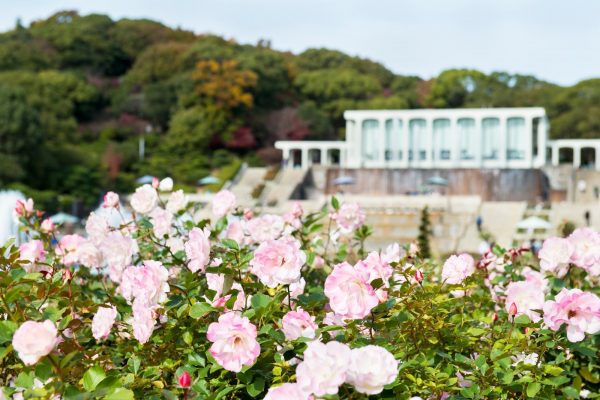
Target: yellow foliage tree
224	83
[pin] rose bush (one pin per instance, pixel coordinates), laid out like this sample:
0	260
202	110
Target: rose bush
167	305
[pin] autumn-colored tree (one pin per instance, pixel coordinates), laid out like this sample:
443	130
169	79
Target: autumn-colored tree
224	83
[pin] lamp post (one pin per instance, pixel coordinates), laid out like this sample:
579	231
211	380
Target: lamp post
142	142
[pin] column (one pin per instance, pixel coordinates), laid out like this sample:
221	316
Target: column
405	142
597	158
455	137
429	161
555	155
478	141
286	157
502	156
355	145
304	159
576	156
542	139
381	140
529	138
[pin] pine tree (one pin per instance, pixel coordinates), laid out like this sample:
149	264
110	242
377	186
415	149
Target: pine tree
424	234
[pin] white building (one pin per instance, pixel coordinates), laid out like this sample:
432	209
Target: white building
440	138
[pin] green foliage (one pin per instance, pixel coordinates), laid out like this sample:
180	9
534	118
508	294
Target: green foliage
464	347
88	80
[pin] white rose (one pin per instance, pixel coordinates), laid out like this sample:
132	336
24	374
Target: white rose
371	368
144	199
176	202
34	340
166	185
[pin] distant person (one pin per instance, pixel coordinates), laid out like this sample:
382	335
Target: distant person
479	222
587	217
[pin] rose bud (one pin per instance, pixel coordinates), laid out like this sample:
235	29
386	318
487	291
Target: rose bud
494	318
512	310
155	183
418	276
185	380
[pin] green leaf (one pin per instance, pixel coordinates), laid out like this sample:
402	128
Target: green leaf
335	203
120	394
533	388
7	329
553	370
199	310
93	377
256	387
522	320
260	301
231	244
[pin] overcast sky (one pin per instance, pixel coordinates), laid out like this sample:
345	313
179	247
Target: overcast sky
555	40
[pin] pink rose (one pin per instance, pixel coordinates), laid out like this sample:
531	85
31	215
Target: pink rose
23	208
47	226
349	291
223	203
147	283
96	228
278	262
89	255
393	253
555	256
67	249
234	341
111	200
297	324
579	310
324	367
527	296
235	231
266	227
34	340
161	221
457	268
117	251
586	250
349	217
32	252
197	249
143	321
103	321
287	391
371	368
144	199
216	282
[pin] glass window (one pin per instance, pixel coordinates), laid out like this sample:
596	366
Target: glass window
467	138
393	140
370	142
490	135
441	139
418	139
516	139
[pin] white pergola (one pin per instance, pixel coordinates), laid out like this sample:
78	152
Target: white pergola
431	138
576	147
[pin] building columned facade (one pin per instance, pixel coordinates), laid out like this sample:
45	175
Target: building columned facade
511	138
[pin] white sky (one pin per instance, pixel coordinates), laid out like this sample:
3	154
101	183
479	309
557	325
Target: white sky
553	39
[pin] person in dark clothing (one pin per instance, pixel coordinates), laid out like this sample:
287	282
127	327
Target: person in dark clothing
479	222
587	217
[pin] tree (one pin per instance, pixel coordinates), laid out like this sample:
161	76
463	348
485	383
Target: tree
224	84
20	133
157	63
424	234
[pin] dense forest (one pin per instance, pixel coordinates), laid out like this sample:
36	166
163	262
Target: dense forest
78	92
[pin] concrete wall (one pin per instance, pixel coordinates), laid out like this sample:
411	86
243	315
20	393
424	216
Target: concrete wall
490	184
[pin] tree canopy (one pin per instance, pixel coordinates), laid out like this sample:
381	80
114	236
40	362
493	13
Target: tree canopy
83	89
